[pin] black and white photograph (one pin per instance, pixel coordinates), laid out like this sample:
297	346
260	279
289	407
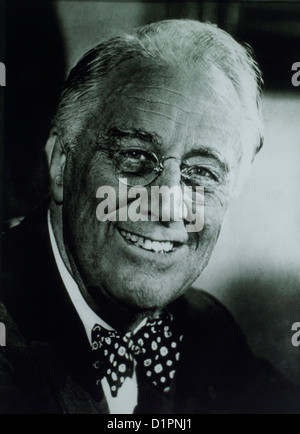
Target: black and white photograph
150	213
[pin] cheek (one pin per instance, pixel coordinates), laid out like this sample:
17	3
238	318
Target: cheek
218	197
83	178
215	206
206	239
83	233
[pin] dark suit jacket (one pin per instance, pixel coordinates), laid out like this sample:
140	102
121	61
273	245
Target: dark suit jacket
46	364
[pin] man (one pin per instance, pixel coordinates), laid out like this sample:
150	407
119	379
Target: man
100	313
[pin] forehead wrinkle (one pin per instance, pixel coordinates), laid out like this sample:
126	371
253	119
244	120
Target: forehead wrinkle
159	102
147	120
193	135
196	101
156	113
224	122
220	125
170	141
176	92
212	104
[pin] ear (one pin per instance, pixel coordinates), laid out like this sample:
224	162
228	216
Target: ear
56	159
50	145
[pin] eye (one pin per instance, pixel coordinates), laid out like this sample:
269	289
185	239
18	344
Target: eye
134	161
198	175
135	155
202	171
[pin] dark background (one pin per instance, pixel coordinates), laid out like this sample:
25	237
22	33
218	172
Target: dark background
255	270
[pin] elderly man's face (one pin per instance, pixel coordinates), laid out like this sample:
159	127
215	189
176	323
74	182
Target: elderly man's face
185	117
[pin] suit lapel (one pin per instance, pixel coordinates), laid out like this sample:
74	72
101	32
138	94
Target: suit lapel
69	376
40	305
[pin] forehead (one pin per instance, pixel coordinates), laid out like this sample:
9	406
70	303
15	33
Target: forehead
182	109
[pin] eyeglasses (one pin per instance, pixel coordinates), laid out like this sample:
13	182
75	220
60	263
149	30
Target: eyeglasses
141	167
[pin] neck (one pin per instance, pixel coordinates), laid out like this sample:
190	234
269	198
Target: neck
121	318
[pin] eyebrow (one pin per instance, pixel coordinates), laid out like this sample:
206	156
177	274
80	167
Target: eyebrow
118	132
206	152
153	139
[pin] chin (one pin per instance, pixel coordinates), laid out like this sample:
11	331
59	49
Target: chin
150	297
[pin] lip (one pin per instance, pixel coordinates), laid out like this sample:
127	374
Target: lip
177	240
174	242
137	253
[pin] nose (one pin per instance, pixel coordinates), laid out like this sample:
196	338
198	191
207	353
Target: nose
171	171
166	194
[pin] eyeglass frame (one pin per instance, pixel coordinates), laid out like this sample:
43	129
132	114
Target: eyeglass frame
158	169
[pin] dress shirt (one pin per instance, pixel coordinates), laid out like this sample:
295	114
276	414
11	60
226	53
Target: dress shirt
126	400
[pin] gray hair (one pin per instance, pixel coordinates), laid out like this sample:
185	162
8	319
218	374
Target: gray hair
181	43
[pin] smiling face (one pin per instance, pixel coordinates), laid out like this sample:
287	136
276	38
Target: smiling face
146	264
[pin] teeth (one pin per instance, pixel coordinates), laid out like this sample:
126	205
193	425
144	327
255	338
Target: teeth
146	243
168	246
140	241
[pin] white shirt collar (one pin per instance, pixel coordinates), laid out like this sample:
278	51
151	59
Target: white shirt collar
88	317
86	314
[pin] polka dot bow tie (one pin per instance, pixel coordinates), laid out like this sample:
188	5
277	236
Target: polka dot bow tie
154	347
